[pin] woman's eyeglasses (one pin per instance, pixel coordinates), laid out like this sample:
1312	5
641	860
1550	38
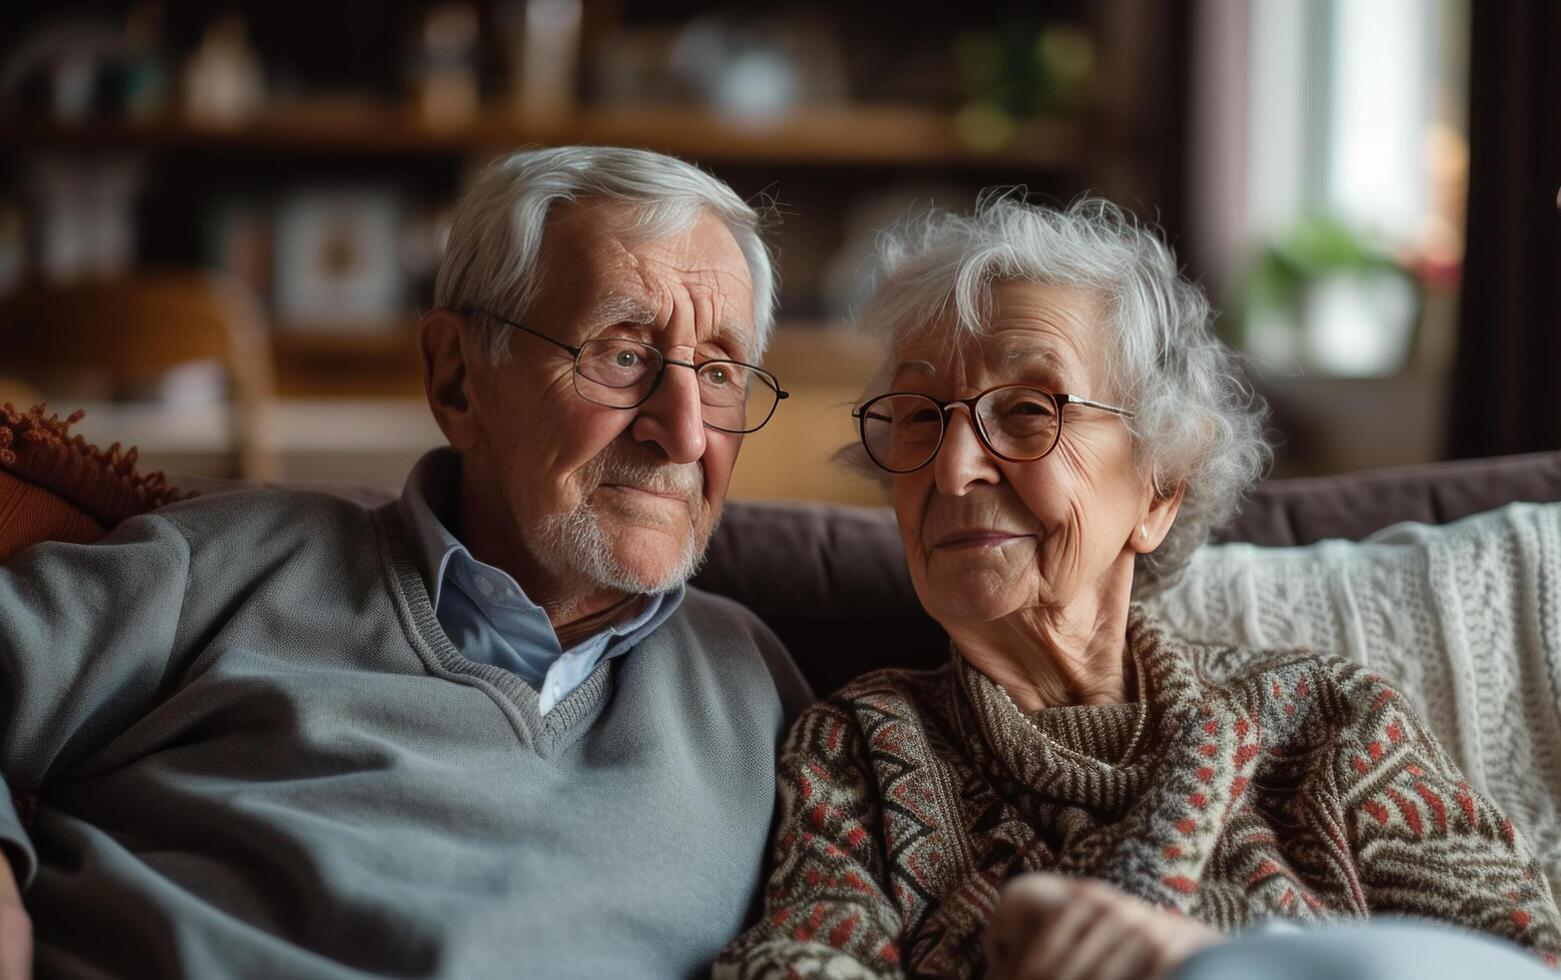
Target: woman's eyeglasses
902	431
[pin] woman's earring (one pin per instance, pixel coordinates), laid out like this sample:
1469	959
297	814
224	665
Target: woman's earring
1143	531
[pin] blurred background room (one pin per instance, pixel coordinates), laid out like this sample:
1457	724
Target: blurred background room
219	222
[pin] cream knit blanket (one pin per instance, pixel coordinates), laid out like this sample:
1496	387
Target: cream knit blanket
1465	617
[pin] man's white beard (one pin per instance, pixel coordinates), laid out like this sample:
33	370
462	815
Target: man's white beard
575	544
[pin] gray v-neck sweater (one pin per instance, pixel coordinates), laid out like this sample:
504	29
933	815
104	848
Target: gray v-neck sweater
251	751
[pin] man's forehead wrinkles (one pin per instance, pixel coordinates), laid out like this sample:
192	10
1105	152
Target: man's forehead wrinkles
707	276
712	307
661	284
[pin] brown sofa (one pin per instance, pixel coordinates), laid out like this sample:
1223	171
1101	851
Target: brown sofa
831	580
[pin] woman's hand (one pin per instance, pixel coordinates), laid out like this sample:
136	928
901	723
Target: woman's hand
16	929
1066	928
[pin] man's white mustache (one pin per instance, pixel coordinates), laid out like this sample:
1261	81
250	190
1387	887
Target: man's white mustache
684	480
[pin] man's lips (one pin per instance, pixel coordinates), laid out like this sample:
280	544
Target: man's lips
677	498
976	537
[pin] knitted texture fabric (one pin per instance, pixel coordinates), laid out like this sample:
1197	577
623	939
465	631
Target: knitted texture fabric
1239	786
1466	617
255	753
29	514
103	484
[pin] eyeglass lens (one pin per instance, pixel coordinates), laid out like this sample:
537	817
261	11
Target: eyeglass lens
621	373
903	432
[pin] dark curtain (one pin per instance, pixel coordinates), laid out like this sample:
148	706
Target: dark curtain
1507	383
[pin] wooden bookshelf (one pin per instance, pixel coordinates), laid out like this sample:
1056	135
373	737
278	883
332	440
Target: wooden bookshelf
377	362
860	135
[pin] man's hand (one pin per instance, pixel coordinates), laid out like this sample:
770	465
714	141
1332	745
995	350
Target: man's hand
16	929
1056	926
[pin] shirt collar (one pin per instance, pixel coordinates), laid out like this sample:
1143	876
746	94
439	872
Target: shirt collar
430	491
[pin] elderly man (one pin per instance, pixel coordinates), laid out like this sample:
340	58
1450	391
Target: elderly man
482	730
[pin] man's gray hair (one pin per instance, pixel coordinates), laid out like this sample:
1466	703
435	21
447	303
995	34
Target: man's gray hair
493	260
1196	422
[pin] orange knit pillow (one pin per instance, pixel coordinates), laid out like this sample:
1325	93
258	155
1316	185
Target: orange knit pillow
56	487
29	514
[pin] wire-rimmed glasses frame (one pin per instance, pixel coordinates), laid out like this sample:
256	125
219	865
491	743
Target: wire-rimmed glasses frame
864	415
652	353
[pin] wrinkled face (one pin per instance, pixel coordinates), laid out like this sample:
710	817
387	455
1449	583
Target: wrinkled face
985	538
625	498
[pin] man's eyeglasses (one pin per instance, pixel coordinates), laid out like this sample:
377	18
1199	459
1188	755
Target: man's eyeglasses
902	431
616	372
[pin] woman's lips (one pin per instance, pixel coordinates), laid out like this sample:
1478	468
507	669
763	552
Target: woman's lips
985	537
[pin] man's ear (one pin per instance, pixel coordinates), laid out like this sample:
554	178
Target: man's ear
443	338
1158	518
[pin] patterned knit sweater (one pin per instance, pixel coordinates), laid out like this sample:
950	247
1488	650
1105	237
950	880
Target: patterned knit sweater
1241	785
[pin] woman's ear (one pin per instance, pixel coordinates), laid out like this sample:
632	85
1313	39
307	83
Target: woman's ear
1158	517
442	337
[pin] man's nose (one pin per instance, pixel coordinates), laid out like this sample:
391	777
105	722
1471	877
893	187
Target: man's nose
673	416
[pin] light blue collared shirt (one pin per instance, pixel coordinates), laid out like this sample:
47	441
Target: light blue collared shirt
487	615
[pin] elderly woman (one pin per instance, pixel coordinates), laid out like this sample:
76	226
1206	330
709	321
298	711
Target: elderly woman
1060	429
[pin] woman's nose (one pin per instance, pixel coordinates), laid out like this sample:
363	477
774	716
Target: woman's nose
962	461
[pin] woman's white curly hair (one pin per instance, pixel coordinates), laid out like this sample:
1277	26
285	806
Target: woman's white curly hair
1196	422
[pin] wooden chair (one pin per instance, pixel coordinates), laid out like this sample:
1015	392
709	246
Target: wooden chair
136	329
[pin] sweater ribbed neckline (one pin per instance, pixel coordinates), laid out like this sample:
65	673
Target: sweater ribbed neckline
1104	732
1094	755
546	734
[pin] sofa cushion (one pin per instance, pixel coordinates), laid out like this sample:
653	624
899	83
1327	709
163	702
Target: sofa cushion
830	581
1300	511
